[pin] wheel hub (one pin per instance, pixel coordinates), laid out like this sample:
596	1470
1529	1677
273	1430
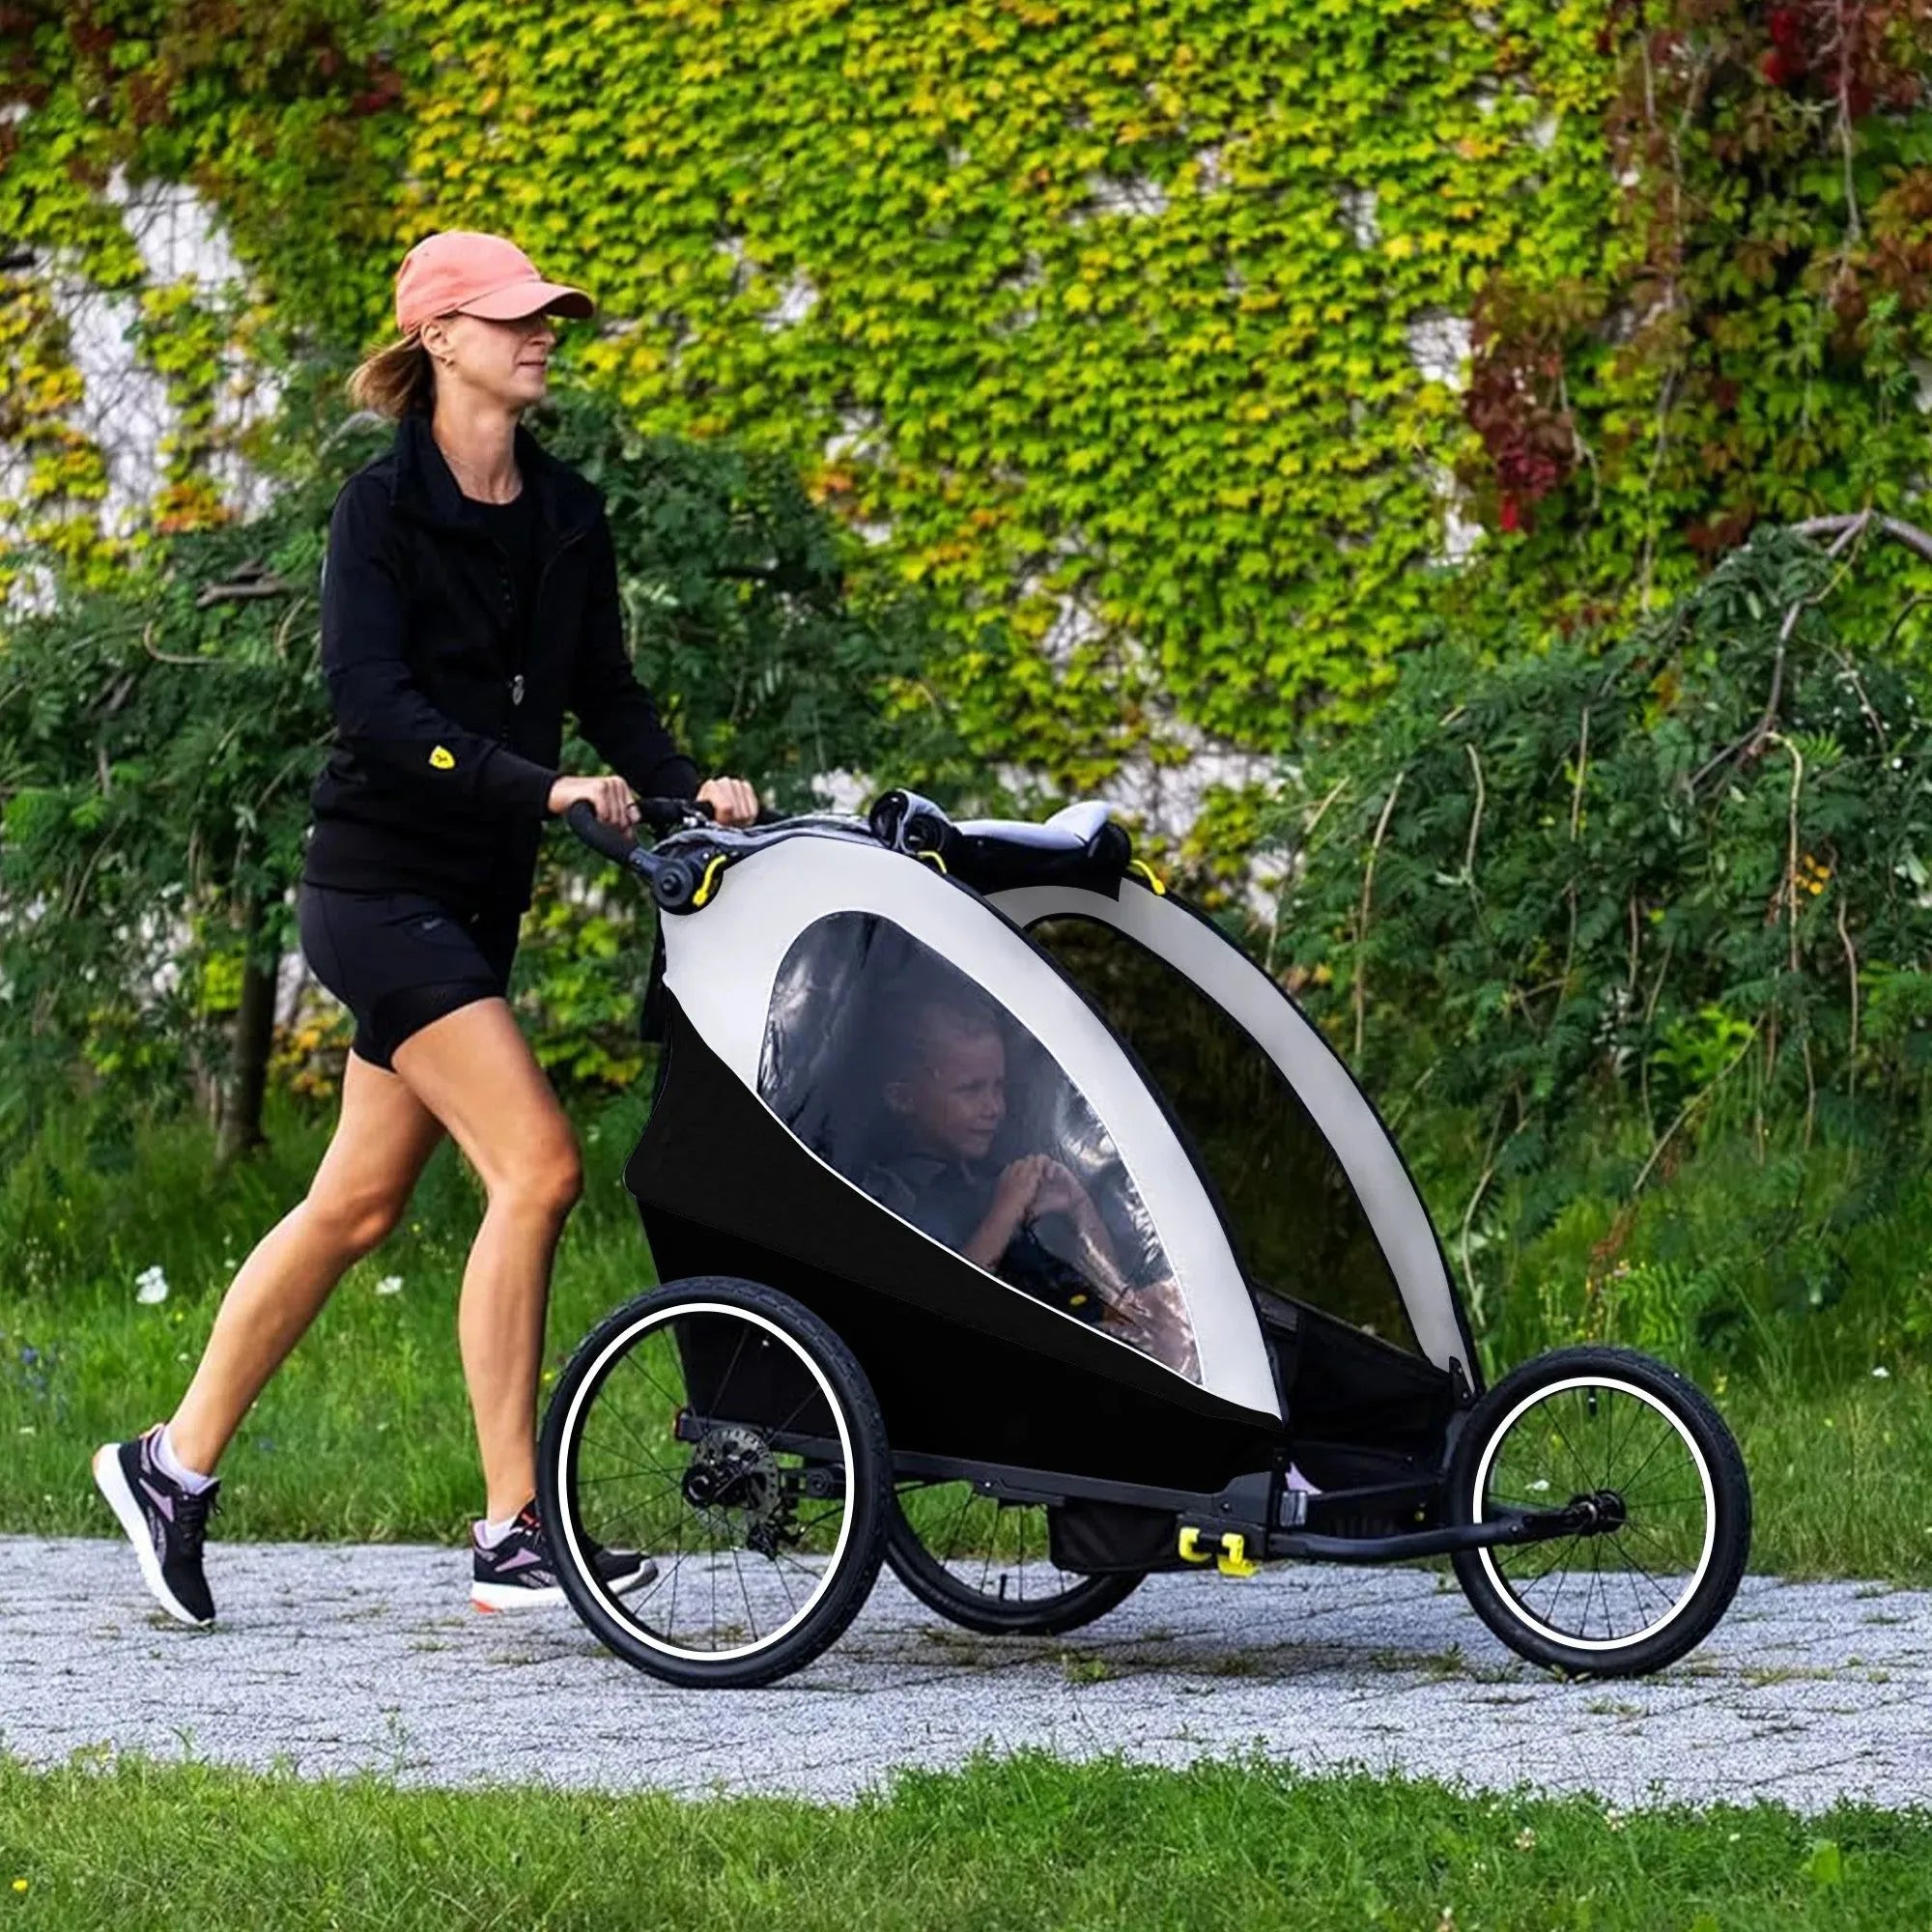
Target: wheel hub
732	1470
1603	1510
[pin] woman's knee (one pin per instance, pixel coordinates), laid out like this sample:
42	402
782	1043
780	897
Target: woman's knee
546	1180
356	1223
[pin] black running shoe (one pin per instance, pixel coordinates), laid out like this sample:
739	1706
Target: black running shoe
165	1522
520	1572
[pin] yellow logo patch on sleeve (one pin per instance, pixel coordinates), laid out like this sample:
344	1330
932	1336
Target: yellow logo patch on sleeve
443	760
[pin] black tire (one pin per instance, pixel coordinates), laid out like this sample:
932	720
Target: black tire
1683	1507
845	1461
987	1603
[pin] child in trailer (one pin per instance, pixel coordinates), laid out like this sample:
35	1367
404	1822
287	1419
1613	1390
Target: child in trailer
945	1093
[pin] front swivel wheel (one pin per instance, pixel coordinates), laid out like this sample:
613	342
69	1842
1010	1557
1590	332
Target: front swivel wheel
1656	1484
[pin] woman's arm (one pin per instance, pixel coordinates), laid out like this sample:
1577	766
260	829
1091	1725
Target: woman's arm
380	714
614	711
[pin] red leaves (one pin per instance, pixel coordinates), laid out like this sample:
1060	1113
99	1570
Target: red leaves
1516	401
1865	53
384	90
1786	28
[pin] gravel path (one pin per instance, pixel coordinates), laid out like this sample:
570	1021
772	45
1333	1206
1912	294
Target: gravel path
332	1658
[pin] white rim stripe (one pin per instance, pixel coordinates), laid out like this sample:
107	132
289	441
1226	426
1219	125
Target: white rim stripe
570	1424
1518	1608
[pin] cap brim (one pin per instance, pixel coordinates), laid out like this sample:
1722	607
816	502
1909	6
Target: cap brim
522	299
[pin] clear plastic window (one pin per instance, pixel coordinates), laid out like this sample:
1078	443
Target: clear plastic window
1293	1213
907	1078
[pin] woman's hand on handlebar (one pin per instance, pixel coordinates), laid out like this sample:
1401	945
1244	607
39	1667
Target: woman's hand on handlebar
732	801
611	798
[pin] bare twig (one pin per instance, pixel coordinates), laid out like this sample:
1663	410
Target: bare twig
1362	917
1790	834
1335	791
239	592
1760	733
1476	818
1698	1099
170	657
1851	977
1896	528
1491	1156
288	616
1656	985
1912	604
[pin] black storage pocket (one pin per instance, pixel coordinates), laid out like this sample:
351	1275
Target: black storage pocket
1095	1538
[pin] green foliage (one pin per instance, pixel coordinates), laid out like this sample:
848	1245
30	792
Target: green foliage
1666	877
158	736
281	116
1111	320
157	739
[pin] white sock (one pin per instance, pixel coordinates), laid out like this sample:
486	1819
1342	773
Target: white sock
488	1534
191	1480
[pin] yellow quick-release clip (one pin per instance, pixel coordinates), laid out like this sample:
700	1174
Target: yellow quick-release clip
1232	1560
1228	1549
1147	873
933	858
705	885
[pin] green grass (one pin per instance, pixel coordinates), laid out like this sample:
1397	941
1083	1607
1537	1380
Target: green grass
1022	1842
82	1360
1841	1462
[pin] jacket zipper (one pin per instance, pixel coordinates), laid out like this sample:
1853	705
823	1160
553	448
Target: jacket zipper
536	607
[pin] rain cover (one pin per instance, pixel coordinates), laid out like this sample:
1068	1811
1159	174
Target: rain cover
911	1081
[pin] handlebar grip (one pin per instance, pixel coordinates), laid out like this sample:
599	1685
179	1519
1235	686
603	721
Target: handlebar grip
582	819
666	814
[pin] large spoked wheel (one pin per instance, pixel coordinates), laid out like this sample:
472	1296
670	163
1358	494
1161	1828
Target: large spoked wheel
1670	1511
984	1564
727	1434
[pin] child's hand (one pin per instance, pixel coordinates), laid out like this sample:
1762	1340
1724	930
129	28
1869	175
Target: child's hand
1012	1201
1058	1192
1016	1195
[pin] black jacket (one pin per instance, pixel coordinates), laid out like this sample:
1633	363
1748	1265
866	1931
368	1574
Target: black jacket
448	723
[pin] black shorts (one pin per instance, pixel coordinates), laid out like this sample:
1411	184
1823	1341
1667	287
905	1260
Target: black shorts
399	961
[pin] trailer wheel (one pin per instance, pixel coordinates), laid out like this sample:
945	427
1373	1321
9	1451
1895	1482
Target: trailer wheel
728	1433
1669	1490
984	1565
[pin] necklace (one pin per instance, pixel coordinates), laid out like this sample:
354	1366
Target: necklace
463	471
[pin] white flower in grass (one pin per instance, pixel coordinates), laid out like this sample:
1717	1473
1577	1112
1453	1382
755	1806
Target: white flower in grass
151	1286
1881	1374
390	1283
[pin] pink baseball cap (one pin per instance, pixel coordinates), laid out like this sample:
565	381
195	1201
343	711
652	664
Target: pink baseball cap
458	269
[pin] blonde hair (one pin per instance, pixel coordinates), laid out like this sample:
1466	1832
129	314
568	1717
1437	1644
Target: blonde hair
396	380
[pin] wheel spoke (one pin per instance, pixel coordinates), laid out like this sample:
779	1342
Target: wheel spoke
1655	1541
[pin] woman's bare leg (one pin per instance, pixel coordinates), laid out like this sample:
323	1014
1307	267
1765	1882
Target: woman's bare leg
383	1139
475	1072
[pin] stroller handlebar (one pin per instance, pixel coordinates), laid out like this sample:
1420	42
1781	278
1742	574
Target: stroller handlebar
1080	845
661	814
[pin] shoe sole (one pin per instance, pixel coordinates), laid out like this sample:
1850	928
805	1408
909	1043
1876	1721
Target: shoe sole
112	1483
515	1597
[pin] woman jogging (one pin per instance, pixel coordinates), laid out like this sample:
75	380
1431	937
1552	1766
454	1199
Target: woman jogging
469	598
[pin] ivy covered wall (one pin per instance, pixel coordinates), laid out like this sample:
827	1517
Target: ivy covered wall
1176	345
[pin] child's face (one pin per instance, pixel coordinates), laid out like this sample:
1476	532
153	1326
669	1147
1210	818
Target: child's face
956	1098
